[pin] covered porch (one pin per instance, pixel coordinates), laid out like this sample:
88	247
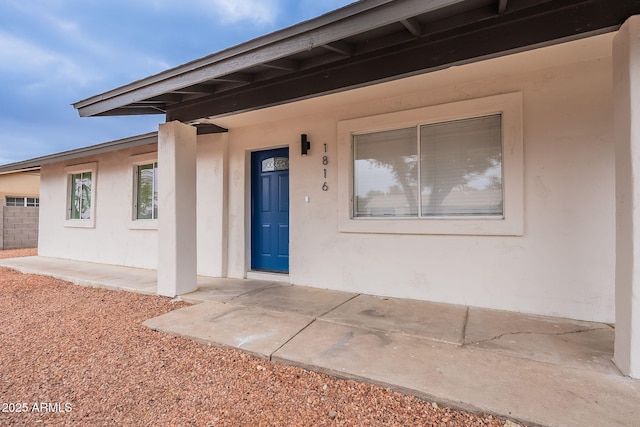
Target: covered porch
539	370
363	45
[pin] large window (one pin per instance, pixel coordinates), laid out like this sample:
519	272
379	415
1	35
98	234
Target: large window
452	168
81	194
22	201
146	200
448	169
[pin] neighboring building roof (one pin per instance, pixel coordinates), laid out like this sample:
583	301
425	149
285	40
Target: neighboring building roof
367	42
134	141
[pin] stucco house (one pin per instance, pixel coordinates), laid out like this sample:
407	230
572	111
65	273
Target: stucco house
20	188
478	152
19	201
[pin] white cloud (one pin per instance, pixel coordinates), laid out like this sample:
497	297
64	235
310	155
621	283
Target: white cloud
22	57
262	12
39	66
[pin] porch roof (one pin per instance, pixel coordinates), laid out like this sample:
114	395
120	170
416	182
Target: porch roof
367	42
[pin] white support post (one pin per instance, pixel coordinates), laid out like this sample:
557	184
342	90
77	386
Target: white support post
626	121
176	209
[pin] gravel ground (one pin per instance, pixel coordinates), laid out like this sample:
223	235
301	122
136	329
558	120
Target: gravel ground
15	253
71	355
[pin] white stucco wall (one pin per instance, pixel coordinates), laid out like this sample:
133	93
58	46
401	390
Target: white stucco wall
562	265
113	240
110	241
212	209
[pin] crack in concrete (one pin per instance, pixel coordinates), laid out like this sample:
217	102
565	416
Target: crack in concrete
314	319
256	291
532	333
337	306
233	309
464	327
270	356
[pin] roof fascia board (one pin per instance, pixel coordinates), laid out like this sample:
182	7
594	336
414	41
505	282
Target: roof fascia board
348	21
24	170
106	147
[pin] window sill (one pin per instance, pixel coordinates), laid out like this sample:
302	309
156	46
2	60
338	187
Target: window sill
143	224
80	223
444	226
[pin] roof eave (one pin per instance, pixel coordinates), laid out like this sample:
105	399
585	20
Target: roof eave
134	141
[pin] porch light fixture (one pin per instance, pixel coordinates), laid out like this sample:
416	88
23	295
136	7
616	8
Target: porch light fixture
305	144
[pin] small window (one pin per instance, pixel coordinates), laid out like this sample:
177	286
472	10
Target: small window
146	188
80	191
22	201
81	195
143	191
273	164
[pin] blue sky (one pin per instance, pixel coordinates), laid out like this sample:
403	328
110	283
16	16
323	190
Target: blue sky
56	52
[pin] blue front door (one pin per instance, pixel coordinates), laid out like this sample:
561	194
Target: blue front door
270	210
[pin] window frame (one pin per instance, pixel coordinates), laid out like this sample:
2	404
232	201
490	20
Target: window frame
511	223
90	222
135	223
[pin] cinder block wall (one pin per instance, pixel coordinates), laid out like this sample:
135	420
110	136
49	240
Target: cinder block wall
1	228
19	227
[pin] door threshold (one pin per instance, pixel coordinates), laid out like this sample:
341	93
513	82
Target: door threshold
268	275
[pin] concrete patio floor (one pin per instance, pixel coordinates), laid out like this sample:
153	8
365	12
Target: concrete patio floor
534	369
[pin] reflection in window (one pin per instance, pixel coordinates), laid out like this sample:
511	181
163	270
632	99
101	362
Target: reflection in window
386	174
461	167
458	165
147	191
80	191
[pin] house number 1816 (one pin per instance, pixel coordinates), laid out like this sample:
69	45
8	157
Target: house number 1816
325	162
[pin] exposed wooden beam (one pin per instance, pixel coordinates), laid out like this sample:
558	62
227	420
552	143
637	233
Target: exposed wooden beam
393	39
235	78
326	58
283	64
340	47
502	6
196	89
479	16
227	86
511	33
413	26
134	110
208	128
149	103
